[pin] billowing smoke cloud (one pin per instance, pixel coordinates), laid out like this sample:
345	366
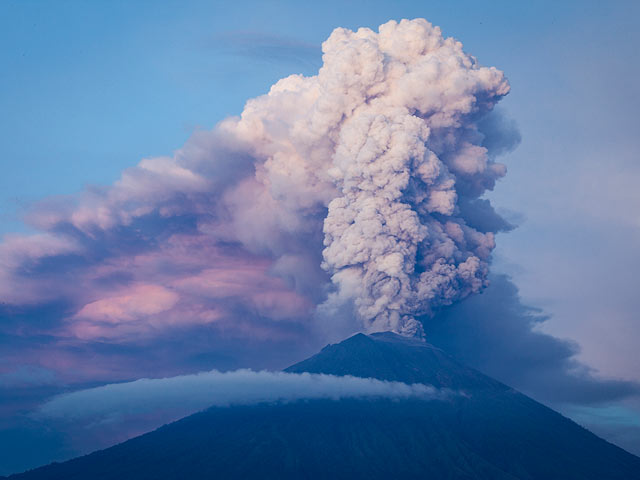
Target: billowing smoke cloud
356	190
386	137
407	149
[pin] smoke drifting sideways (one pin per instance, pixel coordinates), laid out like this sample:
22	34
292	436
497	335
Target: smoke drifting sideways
358	189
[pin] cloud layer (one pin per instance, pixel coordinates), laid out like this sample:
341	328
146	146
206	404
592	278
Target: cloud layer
100	417
179	396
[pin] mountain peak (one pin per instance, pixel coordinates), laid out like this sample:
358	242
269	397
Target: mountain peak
392	357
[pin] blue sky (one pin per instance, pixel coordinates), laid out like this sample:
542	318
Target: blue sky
90	88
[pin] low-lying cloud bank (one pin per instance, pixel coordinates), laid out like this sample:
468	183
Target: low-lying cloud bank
97	418
171	398
86	420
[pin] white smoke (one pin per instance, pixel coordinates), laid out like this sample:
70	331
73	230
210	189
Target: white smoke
386	137
360	188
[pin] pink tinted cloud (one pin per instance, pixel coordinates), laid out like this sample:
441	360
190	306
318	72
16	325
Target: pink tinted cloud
268	295
177	281
136	302
185	281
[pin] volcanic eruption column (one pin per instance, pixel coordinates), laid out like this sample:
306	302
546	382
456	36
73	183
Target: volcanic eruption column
387	137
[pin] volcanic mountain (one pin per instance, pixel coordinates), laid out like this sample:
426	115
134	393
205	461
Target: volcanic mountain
481	430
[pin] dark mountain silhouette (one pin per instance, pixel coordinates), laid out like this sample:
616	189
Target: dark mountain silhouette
484	431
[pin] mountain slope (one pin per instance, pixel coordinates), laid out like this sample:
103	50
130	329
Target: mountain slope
485	431
503	426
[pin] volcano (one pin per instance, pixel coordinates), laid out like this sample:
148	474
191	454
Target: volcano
483	429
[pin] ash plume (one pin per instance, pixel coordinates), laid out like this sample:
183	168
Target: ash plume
358	189
386	137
